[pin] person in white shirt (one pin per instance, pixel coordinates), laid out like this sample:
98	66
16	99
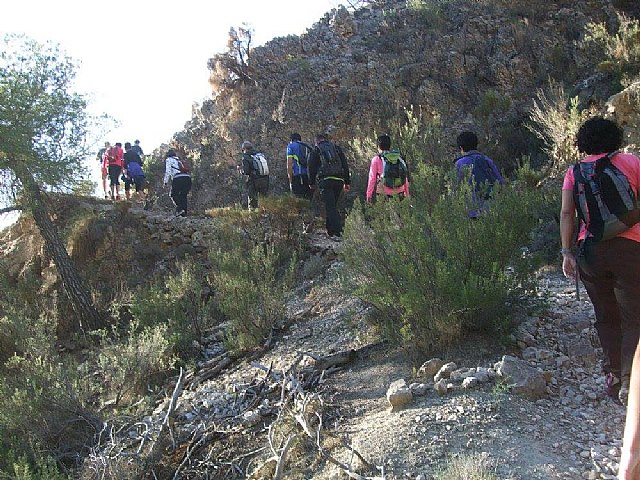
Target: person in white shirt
177	174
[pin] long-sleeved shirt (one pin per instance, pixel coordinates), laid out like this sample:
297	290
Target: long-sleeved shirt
481	168
172	169
315	164
376	172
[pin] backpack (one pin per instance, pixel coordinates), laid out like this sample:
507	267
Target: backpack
260	166
483	175
305	153
605	201
394	173
112	156
183	166
330	162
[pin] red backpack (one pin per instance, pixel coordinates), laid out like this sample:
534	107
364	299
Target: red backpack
112	156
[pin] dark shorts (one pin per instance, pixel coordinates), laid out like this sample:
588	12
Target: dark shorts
114	174
137	181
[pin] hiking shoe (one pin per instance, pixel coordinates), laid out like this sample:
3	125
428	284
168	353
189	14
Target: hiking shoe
623	392
613	385
117	197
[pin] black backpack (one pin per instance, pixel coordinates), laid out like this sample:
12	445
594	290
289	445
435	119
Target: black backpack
305	153
330	162
604	200
395	170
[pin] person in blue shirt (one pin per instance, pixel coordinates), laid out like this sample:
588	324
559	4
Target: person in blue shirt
480	170
297	155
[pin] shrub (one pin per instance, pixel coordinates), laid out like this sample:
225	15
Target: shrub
433	271
467	467
621	50
128	363
250	291
182	302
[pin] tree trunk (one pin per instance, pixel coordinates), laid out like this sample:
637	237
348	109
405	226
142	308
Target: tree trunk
72	282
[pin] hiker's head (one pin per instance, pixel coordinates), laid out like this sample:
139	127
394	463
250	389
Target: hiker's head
321	137
467	141
171	153
137	142
107	144
119	144
246	146
384	142
599	135
127	146
295	137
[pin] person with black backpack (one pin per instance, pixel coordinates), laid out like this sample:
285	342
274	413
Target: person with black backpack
298	154
481	172
602	189
388	172
329	173
255	167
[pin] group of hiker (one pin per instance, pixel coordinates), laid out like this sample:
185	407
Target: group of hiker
601	190
126	165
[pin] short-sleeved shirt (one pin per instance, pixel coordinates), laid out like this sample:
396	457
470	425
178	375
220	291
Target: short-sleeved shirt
629	165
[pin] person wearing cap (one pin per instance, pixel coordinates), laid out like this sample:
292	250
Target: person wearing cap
254	166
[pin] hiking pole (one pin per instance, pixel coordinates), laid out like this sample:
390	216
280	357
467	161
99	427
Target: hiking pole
577	284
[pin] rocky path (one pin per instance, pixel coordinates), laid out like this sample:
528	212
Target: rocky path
573	432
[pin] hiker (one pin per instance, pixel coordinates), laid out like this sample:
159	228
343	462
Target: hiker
388	172
481	170
114	163
329	173
137	148
255	167
630	457
134	175
177	172
101	157
608	267
297	158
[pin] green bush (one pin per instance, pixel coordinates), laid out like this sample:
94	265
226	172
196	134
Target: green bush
128	363
250	290
431	270
181	302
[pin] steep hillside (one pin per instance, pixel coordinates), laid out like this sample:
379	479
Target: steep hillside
460	64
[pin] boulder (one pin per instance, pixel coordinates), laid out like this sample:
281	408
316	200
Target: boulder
523	379
399	394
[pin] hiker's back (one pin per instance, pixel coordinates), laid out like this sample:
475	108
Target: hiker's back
330	161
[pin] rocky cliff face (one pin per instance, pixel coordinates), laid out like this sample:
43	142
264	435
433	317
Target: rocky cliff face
467	64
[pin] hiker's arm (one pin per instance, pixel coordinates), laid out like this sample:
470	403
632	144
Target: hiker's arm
290	169
246	165
167	171
630	458
373	178
567	231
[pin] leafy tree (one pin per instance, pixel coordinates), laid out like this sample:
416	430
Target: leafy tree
231	68
43	131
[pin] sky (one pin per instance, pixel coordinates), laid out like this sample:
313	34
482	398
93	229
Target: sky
144	63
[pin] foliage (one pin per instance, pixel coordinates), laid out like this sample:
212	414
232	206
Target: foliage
46	409
555	119
460	273
467	467
182	303
250	290
231	68
43	123
44	468
621	50
129	362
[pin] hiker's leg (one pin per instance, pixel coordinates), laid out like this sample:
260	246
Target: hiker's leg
328	192
252	194
625	265
600	286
